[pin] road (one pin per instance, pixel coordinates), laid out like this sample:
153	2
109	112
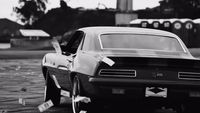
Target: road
23	79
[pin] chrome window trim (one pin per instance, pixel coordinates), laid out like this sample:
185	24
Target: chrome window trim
182	45
101	45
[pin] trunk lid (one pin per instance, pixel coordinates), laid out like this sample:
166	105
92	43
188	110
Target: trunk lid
151	68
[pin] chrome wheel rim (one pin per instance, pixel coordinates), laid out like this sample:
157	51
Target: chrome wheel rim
45	93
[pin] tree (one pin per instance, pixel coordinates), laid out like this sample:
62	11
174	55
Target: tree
30	10
182	8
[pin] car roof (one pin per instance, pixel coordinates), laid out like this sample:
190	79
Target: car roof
92	32
105	29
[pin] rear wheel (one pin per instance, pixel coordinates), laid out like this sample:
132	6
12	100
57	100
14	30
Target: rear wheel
191	107
51	91
76	91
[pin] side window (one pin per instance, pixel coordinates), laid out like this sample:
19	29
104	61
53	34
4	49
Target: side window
75	41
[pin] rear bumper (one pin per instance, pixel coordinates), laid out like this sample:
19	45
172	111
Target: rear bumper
136	82
103	88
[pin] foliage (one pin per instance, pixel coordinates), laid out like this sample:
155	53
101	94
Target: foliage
182	8
30	10
60	20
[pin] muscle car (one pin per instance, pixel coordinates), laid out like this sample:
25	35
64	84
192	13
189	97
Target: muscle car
109	64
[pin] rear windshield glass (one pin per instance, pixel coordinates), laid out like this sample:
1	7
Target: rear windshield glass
134	41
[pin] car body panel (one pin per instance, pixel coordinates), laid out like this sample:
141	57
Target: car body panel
103	70
58	65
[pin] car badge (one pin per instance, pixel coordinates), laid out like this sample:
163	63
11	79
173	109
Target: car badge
157	74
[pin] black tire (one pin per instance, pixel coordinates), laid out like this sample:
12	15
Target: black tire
180	108
76	91
51	91
192	107
78	106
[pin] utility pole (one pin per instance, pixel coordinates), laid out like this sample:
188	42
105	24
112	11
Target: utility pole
125	5
124	13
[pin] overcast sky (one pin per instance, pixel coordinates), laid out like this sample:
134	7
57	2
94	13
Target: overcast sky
6	6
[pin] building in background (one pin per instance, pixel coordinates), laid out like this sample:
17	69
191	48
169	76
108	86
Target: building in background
32	39
8	29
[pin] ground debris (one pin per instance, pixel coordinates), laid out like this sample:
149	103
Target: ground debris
24	89
22	101
3	111
43	107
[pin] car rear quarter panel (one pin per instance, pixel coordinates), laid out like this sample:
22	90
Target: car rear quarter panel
48	60
53	61
85	63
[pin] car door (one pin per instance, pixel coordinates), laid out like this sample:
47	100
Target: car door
65	60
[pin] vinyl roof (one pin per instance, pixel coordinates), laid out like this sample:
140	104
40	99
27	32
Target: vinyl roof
33	33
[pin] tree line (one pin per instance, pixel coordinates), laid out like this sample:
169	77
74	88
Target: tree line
59	20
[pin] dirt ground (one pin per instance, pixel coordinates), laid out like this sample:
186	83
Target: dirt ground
23	54
22	79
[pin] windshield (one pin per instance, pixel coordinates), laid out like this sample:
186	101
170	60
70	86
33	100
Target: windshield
140	41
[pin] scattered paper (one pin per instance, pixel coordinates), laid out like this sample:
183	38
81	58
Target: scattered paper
43	107
18	68
83	111
56	46
108	61
82	99
65	93
22	101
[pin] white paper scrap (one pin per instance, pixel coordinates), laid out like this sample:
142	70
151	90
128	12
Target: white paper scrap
56	46
22	101
82	99
64	93
45	106
108	61
83	111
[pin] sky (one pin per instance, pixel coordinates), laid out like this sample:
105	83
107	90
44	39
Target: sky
6	6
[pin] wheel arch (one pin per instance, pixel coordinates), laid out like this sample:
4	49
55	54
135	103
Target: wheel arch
72	75
44	71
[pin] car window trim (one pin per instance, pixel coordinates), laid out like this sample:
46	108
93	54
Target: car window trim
82	41
74	40
101	45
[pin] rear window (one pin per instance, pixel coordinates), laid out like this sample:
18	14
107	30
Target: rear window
140	41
